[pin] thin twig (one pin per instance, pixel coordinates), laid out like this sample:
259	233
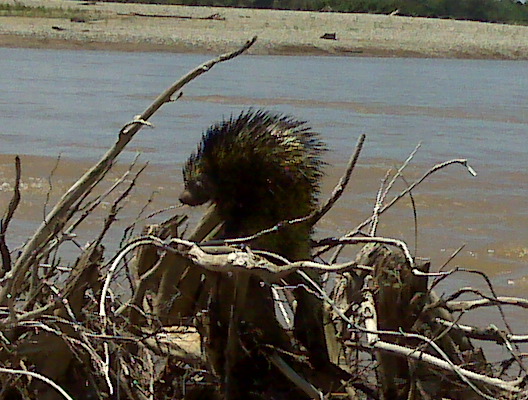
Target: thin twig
343	182
415	217
114	210
377	207
435	168
498	304
431	171
4	222
400	170
50	187
451	257
382	195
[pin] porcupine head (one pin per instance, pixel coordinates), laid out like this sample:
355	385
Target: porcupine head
259	168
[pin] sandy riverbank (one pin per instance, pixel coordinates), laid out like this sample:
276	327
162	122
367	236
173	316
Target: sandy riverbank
114	26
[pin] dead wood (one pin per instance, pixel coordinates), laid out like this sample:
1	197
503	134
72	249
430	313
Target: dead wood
400	299
214	17
148	270
178	296
4	222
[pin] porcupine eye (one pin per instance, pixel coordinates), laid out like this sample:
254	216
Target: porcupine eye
196	193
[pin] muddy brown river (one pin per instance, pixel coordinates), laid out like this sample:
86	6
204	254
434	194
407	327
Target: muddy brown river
60	111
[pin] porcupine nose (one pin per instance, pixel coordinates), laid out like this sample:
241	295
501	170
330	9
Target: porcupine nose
187	198
191	198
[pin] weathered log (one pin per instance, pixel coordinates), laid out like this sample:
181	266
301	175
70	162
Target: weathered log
400	301
145	261
179	292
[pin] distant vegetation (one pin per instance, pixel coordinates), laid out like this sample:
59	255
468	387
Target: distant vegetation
505	11
20	10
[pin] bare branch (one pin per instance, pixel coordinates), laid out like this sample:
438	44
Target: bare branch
50	186
375	213
510	386
398	197
400	170
4	222
56	217
384	190
227	260
466	305
343	182
37	376
490	333
431	171
446	363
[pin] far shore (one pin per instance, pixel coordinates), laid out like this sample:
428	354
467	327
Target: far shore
140	27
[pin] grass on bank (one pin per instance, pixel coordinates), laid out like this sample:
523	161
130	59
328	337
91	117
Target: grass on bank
18	9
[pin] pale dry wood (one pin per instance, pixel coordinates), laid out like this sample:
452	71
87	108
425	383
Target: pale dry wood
147	269
183	346
445	363
491	332
509	386
55	347
178	275
466	305
229	260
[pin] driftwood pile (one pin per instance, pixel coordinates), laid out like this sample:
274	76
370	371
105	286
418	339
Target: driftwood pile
65	334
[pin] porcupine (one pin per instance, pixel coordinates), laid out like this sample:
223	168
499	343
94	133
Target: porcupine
261	168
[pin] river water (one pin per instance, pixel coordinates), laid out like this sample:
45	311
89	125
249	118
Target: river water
70	105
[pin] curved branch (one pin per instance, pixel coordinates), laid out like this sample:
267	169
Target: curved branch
37	376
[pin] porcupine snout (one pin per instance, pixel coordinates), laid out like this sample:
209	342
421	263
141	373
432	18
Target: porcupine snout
196	192
187	198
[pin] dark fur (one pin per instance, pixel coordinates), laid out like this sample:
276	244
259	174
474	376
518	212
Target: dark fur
259	168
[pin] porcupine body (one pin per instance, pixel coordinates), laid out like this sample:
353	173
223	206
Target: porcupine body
259	168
